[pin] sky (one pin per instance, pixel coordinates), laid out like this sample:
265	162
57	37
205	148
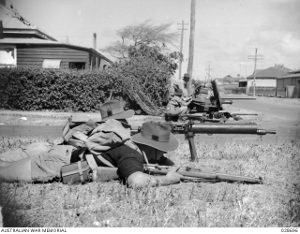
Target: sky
226	31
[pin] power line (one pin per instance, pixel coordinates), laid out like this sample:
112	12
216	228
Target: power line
181	45
255	58
208	69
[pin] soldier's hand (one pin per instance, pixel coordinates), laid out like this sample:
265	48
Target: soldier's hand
173	176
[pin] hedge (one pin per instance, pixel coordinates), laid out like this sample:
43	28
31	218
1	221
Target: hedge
71	90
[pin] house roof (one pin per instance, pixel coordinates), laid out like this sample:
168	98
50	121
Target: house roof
13	19
295	71
296	75
37	41
269	73
13	41
13	22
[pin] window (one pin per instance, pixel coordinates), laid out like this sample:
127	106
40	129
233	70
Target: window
8	57
51	63
77	65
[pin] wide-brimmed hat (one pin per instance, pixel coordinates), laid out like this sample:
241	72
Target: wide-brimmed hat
157	135
113	110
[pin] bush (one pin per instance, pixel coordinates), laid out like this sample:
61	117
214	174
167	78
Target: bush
235	90
71	90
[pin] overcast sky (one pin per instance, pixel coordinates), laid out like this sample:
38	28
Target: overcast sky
226	31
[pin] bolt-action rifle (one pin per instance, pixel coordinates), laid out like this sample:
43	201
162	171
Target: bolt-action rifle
197	175
190	128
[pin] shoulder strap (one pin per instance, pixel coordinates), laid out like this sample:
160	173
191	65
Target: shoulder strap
106	162
92	163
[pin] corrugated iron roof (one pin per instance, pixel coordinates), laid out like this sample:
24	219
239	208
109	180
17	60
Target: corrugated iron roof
12	19
295	71
26	41
296	75
271	73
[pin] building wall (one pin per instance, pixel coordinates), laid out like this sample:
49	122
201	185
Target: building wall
262	83
34	56
282	84
102	63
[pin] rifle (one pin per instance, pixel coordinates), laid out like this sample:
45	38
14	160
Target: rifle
197	175
190	129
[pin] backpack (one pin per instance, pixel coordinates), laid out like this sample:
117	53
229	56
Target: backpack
96	138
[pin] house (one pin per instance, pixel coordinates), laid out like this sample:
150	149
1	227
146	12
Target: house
243	83
266	80
22	44
289	85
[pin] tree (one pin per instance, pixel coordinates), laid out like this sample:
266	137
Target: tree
145	33
149	72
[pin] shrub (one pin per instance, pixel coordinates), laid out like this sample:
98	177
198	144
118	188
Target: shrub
71	90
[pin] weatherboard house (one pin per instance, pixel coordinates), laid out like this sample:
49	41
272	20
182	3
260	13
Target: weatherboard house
22	44
266	80
288	85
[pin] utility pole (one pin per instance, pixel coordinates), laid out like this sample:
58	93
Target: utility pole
191	47
181	44
208	69
255	58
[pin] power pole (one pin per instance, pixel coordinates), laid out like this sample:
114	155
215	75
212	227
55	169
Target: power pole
181	44
208	69
191	47
255	58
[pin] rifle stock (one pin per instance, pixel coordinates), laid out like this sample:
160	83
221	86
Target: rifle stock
198	175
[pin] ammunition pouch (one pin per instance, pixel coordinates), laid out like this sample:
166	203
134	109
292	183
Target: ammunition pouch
78	172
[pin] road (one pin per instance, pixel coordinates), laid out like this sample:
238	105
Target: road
274	114
279	114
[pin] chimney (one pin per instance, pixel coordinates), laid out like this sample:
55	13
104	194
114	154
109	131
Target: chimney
1	30
95	41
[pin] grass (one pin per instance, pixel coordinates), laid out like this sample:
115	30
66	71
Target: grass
275	203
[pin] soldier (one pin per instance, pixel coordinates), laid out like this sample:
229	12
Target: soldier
154	140
177	106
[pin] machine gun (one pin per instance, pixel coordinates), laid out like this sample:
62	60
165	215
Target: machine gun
197	175
212	106
190	128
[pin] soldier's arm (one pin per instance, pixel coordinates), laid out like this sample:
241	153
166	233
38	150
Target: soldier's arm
139	179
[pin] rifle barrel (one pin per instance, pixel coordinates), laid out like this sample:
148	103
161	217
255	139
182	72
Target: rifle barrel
238	113
244	113
238	98
217	128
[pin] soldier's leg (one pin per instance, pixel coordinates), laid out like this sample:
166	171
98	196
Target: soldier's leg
17	171
43	168
47	167
30	150
184	110
174	112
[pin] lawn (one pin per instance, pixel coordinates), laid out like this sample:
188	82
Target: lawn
275	203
